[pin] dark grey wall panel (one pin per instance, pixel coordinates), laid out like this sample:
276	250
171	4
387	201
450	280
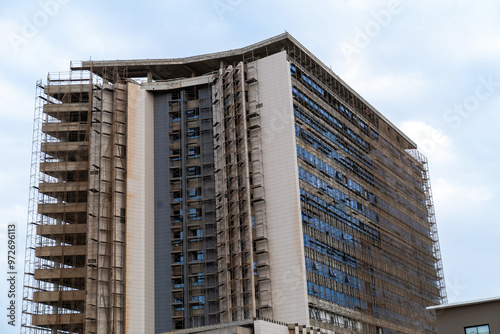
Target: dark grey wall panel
162	214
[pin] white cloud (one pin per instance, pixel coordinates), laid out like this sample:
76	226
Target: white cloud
16	102
34	53
432	142
453	196
404	86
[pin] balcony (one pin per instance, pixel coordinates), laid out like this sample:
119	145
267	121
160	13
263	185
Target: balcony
70	299
69	277
68	322
70	255
58	148
67	112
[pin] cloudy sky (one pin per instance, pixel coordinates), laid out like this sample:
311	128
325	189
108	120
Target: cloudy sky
431	67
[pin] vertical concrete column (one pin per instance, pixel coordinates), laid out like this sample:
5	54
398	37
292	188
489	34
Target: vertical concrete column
139	267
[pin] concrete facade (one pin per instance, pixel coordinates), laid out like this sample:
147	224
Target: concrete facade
286	248
139	293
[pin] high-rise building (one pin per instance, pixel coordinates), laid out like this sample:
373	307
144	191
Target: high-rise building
252	183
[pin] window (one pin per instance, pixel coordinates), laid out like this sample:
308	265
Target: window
175	173
193	152
198	301
177	218
177	258
195	235
176	155
175	116
178	283
176	196
192	113
175	136
194	193
193	133
193	170
195	214
483	329
198	280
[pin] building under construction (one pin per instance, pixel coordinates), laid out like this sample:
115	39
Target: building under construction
242	185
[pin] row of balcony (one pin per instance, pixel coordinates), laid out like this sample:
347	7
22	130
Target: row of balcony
64	207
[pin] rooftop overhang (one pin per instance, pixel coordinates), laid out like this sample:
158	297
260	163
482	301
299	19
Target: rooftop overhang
175	68
178	68
464	304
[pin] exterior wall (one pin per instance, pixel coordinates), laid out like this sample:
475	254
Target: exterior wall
453	320
162	228
286	250
365	220
185	241
139	290
264	327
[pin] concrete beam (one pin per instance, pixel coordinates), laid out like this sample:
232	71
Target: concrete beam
61	208
47	230
54	296
56	251
56	274
65	107
50	167
63	146
180	83
60	187
50	128
55	319
66	89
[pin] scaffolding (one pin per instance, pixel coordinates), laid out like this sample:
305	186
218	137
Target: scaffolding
56	259
243	259
396	250
30	284
429	202
76	225
106	210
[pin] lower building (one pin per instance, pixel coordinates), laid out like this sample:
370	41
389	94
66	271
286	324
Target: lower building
248	184
256	326
472	317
